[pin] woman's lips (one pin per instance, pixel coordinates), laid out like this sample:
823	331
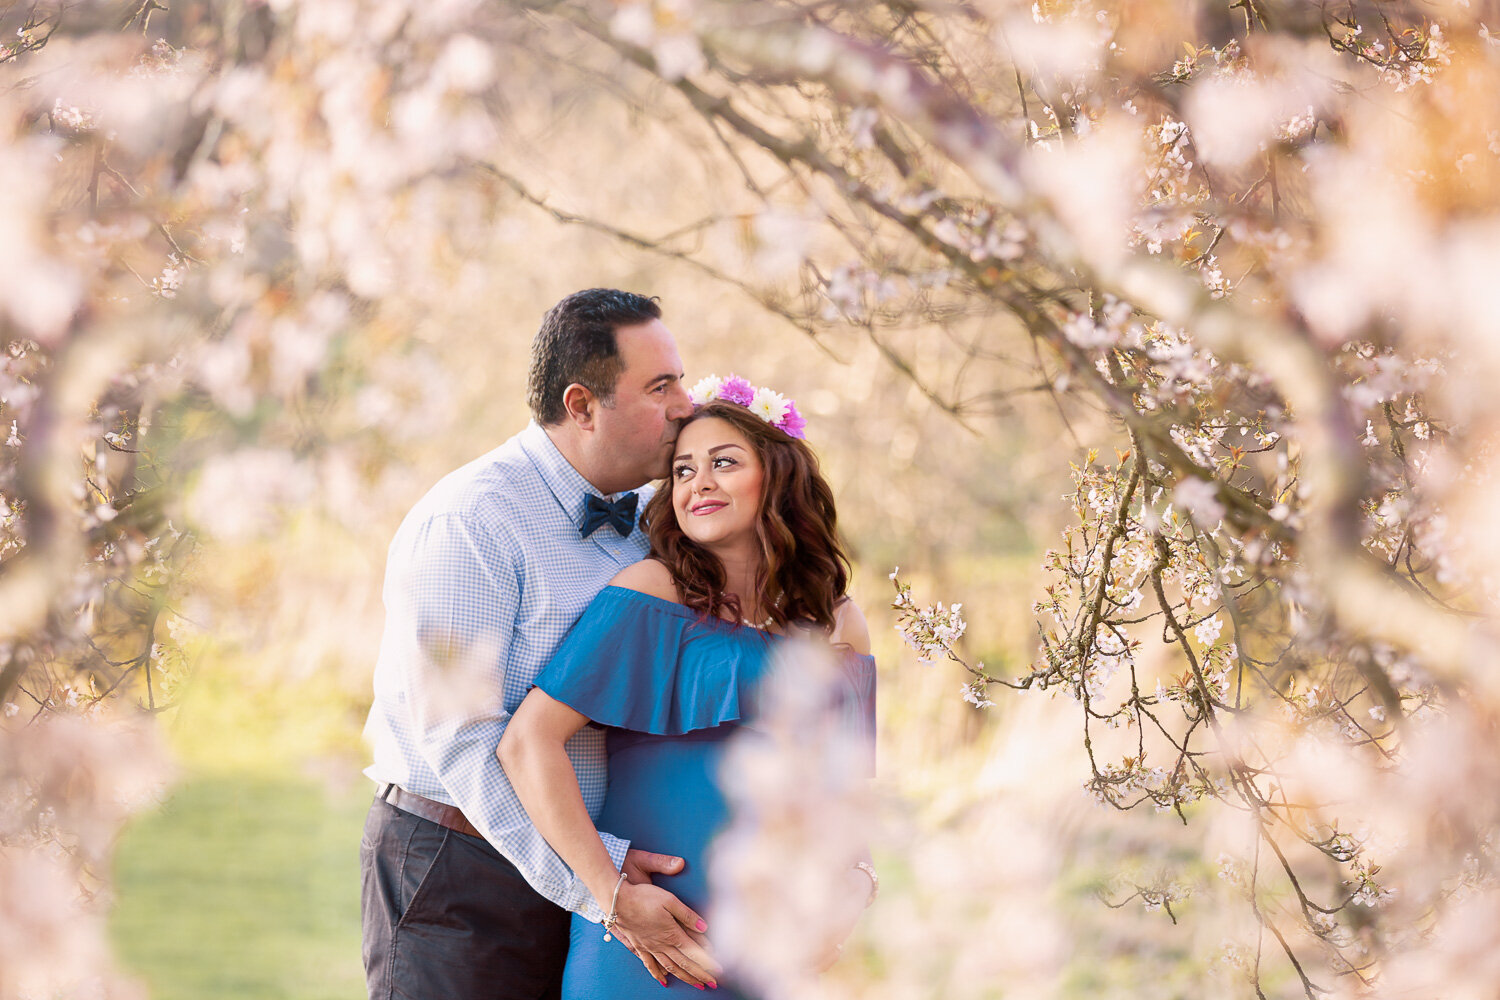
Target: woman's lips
706	507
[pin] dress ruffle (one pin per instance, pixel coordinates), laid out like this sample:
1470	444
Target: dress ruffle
654	666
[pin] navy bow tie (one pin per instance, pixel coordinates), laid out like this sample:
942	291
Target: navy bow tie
619	515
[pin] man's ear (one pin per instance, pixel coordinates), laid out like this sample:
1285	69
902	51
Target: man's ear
579	403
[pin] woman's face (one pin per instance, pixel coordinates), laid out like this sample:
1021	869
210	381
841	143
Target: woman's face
716	480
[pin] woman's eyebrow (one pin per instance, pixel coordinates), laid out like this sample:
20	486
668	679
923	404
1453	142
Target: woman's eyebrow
712	451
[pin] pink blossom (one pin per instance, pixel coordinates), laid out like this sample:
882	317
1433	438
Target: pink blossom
737	390
793	423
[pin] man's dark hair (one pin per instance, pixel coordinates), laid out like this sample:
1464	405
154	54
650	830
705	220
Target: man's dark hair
576	343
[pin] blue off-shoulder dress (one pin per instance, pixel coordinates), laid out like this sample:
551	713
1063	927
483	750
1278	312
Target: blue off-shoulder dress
670	687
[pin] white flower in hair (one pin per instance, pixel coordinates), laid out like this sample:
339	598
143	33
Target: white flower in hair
706	389
770	406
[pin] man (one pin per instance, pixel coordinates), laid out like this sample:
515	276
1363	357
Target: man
461	896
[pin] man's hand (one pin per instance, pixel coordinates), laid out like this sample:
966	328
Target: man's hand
665	934
638	867
641	865
675	945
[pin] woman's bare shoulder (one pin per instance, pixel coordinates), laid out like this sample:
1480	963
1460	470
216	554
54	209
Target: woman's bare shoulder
649	576
850	628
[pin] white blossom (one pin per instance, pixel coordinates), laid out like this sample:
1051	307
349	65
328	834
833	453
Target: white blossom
1200	497
705	389
974	693
770	406
1208	630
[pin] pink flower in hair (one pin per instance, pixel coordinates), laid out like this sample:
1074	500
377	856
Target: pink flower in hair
793	423
737	390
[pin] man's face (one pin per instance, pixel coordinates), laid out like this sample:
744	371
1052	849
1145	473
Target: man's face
636	432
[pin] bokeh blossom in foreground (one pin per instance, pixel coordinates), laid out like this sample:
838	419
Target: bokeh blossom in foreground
1217	276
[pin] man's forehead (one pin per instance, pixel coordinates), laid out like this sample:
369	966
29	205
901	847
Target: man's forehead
649	352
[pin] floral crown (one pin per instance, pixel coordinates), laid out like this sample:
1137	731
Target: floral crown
772	407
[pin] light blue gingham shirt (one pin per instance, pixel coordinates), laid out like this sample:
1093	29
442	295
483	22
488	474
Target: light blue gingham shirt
485	575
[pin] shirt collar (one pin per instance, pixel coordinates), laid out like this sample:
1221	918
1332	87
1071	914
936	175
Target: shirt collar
566	483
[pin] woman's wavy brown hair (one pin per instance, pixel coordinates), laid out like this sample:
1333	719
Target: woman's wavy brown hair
803	569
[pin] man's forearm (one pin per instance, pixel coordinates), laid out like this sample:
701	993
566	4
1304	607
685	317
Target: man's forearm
465	764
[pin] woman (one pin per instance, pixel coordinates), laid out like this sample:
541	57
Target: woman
744	552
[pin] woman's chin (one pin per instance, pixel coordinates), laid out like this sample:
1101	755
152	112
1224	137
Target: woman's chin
718	541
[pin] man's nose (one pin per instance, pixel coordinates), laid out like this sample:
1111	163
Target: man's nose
681	406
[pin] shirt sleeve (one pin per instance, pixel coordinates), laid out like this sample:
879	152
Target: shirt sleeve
461	595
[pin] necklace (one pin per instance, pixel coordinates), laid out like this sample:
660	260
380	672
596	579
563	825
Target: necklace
770	619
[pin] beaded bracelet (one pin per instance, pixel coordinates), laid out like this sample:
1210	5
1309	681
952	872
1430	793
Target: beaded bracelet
614	910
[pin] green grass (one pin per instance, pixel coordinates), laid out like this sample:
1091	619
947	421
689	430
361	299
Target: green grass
244	886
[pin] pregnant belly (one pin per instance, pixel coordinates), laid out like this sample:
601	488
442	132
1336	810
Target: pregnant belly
664	797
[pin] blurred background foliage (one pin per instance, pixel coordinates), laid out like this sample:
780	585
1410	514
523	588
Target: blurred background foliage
269	269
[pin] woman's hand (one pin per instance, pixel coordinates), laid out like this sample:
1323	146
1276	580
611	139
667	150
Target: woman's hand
854	897
666	933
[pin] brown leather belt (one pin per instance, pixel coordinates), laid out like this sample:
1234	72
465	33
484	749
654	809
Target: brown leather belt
439	813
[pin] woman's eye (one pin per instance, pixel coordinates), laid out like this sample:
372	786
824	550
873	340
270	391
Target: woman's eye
723	461
681	471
